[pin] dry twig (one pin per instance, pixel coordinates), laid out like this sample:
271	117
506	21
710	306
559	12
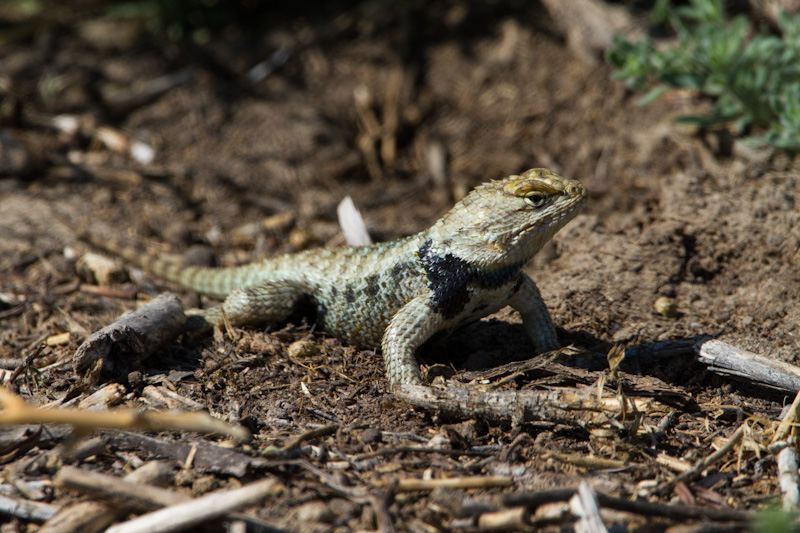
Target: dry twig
16	411
27	510
130	494
567	406
95	516
705	462
788	478
300	439
360	495
677	512
584	505
468	482
789	424
198	511
732	361
122	346
206	457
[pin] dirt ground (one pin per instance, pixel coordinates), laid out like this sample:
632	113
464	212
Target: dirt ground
404	109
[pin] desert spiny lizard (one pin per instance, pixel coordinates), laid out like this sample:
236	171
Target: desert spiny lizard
395	295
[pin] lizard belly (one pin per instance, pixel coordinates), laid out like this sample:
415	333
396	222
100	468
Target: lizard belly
481	302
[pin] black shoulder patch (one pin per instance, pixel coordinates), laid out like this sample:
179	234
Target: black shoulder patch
448	277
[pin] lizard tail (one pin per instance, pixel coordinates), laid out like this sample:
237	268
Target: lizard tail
200	279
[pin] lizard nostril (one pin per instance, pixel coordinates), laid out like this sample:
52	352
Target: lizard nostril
574	190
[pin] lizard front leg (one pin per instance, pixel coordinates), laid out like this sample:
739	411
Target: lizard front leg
264	303
535	316
411	326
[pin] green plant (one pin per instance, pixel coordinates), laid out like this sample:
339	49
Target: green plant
774	520
753	78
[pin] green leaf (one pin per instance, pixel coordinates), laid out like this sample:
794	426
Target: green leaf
752	78
653	94
703	121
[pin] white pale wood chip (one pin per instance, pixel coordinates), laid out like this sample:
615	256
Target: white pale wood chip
584	504
142	152
436	162
100	400
789	479
104	270
726	359
27	510
353	227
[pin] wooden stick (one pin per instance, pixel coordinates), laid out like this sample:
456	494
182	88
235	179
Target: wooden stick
516	519
108	292
566	406
705	462
584	505
469	482
198	511
27	510
789	424
644	508
129	494
732	361
122	346
208	457
16	411
86	517
95	516
789	479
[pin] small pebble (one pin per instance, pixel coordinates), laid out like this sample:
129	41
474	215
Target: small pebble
135	378
314	512
301	238
371	435
204	484
302	349
666	306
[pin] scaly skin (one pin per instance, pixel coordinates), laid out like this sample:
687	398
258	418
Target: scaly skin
397	294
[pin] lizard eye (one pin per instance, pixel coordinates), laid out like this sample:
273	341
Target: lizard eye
536	199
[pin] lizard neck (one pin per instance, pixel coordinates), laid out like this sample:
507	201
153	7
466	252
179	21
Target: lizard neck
486	253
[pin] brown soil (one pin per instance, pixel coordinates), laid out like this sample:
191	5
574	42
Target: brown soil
693	216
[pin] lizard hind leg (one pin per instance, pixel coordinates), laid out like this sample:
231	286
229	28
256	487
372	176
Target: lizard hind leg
265	303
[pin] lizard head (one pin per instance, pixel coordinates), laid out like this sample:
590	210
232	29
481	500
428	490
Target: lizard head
505	222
